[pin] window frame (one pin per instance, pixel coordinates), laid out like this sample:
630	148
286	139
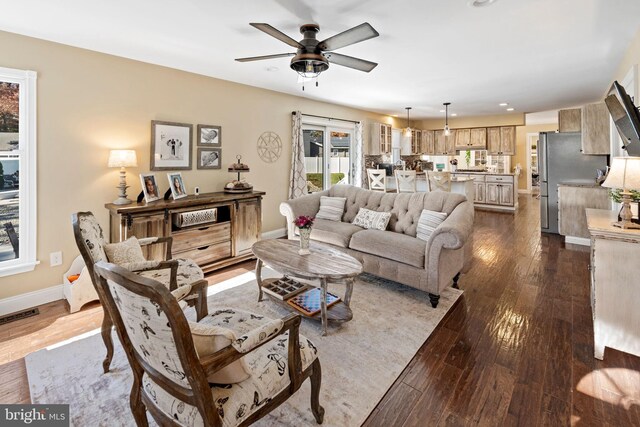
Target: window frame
26	260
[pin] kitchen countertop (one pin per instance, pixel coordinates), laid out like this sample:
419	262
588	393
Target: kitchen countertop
483	173
587	183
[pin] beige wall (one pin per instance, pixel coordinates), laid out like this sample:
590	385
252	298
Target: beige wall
90	102
522	147
512	119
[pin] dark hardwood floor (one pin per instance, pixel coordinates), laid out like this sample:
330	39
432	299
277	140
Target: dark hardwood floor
517	349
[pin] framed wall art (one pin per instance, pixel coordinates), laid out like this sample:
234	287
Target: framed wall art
209	136
176	184
171	147
209	158
149	187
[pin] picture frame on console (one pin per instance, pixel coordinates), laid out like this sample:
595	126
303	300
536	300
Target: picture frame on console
209	136
176	184
149	187
171	146
209	158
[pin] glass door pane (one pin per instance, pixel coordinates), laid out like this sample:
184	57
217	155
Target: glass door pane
9	170
340	164
314	146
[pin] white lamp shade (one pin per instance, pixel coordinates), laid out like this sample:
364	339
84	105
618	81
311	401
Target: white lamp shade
624	174
122	159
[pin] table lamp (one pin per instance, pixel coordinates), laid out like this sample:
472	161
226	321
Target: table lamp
122	159
624	174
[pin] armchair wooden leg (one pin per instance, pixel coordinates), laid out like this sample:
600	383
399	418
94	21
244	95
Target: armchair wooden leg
107	326
137	407
316	380
455	280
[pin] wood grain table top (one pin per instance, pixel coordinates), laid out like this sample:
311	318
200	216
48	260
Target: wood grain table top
323	262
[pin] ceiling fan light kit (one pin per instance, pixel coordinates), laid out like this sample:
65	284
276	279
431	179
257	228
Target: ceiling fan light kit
312	56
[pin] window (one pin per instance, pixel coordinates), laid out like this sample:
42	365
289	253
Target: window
17	171
328	155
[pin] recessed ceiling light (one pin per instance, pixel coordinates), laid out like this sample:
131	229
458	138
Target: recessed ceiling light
442	111
503	104
272	68
480	3
454	115
394	115
510	109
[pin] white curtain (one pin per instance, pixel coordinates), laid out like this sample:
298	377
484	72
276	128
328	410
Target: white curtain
298	178
357	172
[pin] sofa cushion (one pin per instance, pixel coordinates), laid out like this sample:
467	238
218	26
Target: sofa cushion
428	222
367	218
124	252
331	208
387	244
332	232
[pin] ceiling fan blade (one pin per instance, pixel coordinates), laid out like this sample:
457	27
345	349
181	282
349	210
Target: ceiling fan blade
260	58
354	35
277	34
350	61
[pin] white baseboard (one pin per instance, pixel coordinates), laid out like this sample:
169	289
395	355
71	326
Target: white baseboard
30	299
577	240
274	234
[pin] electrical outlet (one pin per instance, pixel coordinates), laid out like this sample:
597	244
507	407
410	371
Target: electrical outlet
55	258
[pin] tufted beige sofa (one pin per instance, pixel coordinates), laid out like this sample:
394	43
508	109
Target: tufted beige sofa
396	253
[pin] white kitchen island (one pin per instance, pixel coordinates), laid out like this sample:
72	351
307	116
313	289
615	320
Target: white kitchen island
460	185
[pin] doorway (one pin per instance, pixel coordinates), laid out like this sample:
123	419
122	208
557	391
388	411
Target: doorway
328	155
533	179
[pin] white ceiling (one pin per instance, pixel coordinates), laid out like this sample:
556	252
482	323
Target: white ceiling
534	54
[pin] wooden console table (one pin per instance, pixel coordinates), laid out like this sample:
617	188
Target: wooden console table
213	245
615	289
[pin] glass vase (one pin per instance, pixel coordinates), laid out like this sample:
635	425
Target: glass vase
305	236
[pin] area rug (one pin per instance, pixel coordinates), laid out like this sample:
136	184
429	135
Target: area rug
360	359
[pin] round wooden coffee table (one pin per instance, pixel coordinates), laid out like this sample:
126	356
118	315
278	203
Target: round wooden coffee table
323	266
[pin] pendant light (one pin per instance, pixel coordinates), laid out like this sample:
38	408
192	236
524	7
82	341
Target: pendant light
447	131
407	131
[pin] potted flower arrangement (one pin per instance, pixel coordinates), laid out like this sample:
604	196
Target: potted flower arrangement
616	196
454	165
304	224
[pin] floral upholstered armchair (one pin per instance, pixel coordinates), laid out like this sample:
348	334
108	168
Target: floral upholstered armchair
182	277
230	368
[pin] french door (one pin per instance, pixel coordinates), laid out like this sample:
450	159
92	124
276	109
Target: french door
328	153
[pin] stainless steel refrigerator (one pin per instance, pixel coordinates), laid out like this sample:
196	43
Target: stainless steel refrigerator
560	159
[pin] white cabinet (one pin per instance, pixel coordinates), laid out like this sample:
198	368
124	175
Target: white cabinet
615	288
380	140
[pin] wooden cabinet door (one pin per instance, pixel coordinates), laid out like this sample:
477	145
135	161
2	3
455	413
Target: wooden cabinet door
570	120
247	225
386	138
148	226
375	142
479	188
416	142
596	129
492	194
478	138
440	143
493	140
506	194
463	139
508	140
428	142
450	142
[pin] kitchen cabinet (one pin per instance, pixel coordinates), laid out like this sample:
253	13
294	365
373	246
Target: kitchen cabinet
380	140
496	192
463	139
416	141
573	201
492	194
596	129
570	120
506	194
428	142
445	145
478	139
615	289
501	141
479	191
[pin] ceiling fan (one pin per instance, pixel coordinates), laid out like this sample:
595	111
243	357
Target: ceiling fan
313	56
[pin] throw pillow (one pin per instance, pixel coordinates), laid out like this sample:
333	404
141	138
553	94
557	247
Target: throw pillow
367	218
331	208
429	221
210	339
124	252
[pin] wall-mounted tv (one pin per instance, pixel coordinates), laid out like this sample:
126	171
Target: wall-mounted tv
626	117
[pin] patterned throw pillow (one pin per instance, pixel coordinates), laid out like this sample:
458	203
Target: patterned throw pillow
429	221
124	252
371	219
331	208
